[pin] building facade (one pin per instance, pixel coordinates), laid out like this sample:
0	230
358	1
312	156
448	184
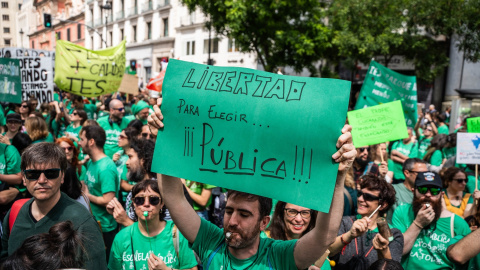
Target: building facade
8	25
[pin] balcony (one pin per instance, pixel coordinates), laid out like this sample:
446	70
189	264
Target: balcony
147	7
162	3
119	15
133	11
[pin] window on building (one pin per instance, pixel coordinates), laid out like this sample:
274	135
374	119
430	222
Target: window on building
134	33
7	42
4	4
231	45
121	34
19	6
110	36
149	30
68	34
79	31
6	30
33	44
5	17
190	48
165	27
91	42
213	46
59	35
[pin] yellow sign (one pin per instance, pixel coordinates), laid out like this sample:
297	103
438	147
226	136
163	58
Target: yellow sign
89	73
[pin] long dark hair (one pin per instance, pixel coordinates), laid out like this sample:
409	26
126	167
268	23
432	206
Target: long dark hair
277	226
57	249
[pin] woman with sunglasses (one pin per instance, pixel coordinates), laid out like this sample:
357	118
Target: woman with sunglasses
25	109
72	153
290	222
77	118
358	241
456	199
151	242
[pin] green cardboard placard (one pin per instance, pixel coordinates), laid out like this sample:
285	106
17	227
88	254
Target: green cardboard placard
10	80
473	125
378	124
383	85
252	131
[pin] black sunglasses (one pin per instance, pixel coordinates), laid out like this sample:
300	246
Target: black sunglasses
461	180
74	113
35	174
433	190
153	200
363	149
367	196
119	109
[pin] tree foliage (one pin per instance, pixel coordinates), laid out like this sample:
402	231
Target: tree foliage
280	32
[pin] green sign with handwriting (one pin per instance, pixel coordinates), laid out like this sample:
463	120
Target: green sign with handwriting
10	81
253	131
378	124
473	125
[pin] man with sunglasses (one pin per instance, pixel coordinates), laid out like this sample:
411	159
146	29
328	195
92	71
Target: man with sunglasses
43	168
113	125
428	227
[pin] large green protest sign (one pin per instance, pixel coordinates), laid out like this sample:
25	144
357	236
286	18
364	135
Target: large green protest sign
378	124
89	73
383	85
252	131
473	125
10	80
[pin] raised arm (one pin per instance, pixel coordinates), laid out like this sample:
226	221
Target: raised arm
314	244
171	189
465	249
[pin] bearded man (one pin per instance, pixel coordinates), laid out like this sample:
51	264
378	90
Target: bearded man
428	227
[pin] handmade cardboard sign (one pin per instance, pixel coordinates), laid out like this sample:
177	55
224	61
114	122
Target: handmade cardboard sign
10	82
383	85
378	124
468	148
473	125
89	73
129	84
252	131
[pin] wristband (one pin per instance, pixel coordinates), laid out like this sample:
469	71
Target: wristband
418	225
343	241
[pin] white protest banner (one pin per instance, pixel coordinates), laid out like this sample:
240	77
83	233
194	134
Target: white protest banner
468	148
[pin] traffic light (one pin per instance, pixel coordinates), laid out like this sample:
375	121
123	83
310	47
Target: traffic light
47	20
133	65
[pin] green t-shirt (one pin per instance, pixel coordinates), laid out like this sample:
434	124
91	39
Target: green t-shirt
443	129
3	120
83	174
430	248
101	114
112	131
449	152
91	110
161	245
275	253
436	158
73	131
410	150
197	188
423	144
58	128
402	196
9	159
101	178
122	173
49	138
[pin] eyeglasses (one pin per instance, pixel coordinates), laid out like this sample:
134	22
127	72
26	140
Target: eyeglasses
433	190
13	122
122	136
35	174
119	109
363	149
414	171
293	213
461	180
153	200
429	129
68	148
74	113
367	196
24	106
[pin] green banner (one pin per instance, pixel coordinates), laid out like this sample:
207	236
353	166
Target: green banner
473	125
378	124
383	85
10	80
89	73
252	131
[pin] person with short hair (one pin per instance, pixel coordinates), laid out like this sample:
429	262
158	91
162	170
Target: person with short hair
113	125
14	126
427	226
101	182
43	167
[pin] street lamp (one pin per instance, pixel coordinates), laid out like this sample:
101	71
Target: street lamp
107	6
21	36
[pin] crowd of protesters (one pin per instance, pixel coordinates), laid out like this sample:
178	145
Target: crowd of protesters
77	191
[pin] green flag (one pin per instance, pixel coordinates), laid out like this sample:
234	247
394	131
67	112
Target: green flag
10	81
378	124
383	85
252	131
89	73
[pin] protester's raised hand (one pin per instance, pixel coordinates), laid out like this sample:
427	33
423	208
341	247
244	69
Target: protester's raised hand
155	263
476	194
359	227
425	216
155	119
4	140
383	168
346	152
116	157
380	243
